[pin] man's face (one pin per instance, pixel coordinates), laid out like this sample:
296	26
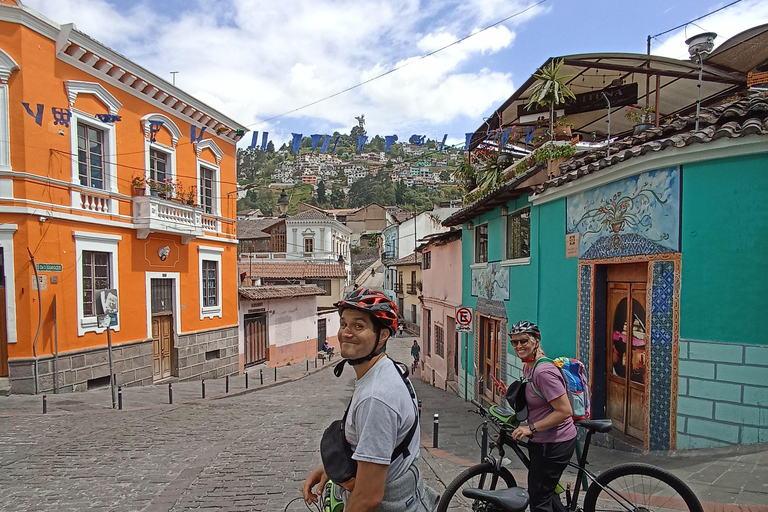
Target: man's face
356	334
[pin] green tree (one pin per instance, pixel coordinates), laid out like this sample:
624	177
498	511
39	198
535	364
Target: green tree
321	192
270	147
400	189
445	176
338	199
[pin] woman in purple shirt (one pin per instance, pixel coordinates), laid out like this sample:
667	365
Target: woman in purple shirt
550	429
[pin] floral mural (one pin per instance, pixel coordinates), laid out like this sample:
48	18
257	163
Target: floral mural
633	216
491	282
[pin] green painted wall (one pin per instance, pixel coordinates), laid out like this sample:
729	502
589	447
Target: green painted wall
724	287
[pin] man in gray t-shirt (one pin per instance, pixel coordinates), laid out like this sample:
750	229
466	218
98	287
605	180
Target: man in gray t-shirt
381	413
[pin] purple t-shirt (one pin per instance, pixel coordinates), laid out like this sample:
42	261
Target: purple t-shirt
548	381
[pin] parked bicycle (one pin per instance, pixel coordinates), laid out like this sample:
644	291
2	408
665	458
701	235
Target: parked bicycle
490	486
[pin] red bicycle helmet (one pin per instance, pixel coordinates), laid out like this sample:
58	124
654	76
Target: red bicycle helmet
373	302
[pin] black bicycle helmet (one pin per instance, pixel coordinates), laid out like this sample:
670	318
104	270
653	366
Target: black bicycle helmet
524	327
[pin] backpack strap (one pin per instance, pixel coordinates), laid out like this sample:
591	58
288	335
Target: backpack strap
402	448
537	363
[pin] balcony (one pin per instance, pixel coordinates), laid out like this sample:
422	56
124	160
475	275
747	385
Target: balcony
153	214
398	287
412	289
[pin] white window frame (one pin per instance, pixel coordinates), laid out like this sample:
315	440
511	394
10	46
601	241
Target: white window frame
168	124
207	253
515	262
218	153
7	67
98	242
6	243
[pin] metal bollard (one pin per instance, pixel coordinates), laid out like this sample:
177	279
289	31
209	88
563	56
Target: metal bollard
307	364
170	393
261	377
436	431
419	409
120	397
315	362
246	380
484	444
203	386
275	373
45	404
227	385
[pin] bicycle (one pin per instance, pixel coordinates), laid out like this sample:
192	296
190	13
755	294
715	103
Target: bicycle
630	487
414	365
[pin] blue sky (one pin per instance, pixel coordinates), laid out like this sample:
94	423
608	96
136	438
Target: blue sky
256	59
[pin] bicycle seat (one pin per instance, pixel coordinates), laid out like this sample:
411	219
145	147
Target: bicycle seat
602	426
514	499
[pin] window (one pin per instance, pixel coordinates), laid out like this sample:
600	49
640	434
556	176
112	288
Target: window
439	341
325	284
96	276
206	190
158	164
210	283
481	243
427	258
97	268
519	234
90	155
309	245
428	312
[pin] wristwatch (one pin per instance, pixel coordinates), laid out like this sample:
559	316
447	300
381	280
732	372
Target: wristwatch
532	427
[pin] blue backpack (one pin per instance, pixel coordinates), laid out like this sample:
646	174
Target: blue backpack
576	385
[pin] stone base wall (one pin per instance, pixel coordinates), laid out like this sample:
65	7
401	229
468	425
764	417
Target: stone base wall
207	354
722	394
132	364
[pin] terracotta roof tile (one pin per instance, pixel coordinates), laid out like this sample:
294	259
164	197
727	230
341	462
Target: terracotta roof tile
253	228
411	259
279	292
309	215
291	270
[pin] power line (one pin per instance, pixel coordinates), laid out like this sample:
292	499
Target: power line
697	19
397	68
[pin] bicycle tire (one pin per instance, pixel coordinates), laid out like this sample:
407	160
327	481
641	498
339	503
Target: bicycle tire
450	502
647	487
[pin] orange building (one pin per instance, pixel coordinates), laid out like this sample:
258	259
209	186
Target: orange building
110	178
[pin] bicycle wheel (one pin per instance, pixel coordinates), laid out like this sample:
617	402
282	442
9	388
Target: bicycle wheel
482	476
639	487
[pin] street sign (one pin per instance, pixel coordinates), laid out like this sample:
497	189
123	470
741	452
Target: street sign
464	319
49	267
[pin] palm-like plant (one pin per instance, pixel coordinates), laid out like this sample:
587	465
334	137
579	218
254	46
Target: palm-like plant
550	89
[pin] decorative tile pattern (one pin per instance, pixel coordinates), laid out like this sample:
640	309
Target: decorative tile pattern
662	364
629	244
585	305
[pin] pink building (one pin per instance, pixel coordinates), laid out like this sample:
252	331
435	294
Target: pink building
441	295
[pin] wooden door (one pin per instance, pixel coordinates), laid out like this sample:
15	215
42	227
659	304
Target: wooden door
490	358
626	357
256	341
321	333
3	336
162	343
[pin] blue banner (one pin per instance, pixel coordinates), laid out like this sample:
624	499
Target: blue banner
388	141
325	144
468	140
264	140
360	141
315	140
504	138
296	142
442	144
335	141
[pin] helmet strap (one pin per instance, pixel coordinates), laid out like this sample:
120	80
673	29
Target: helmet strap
339	368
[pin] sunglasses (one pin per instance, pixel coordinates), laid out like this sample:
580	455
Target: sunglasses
520	342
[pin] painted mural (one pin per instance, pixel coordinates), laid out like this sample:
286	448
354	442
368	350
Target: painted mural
491	282
634	216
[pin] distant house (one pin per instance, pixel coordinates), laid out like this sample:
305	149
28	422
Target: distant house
330	277
251	237
407	287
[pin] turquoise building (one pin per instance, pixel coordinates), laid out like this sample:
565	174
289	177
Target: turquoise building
649	266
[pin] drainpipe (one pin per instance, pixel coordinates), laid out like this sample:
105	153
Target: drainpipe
39	320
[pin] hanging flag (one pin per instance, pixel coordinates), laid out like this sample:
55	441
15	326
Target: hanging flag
325	144
528	134
360	141
37	115
315	140
335	141
254	140
468	140
198	137
388	141
264	140
296	142
154	129
442	144
504	137
418	140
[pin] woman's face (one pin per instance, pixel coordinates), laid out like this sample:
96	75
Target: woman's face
525	345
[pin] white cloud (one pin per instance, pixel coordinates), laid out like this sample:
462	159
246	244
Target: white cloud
726	23
253	59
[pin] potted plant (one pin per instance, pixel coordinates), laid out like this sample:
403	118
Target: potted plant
154	186
641	116
550	89
465	173
138	185
166	189
563	129
190	196
554	154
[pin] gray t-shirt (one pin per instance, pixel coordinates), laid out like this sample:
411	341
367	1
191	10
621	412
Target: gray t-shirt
380	415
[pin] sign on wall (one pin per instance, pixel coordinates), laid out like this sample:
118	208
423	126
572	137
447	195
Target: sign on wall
491	282
634	216
463	319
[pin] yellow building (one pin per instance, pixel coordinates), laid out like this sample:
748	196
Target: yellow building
408	289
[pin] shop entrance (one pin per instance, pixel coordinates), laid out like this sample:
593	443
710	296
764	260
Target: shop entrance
626	347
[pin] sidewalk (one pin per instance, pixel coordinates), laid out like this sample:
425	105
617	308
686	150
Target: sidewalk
142	397
725	479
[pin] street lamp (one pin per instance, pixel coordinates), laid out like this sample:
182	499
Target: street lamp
282	203
699	46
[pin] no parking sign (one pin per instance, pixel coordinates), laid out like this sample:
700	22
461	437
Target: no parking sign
464	319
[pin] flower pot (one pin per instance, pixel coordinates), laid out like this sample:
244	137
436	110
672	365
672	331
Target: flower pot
153	193
138	191
640	128
471	182
505	159
563	133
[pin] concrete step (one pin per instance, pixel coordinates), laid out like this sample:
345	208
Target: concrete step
5	386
